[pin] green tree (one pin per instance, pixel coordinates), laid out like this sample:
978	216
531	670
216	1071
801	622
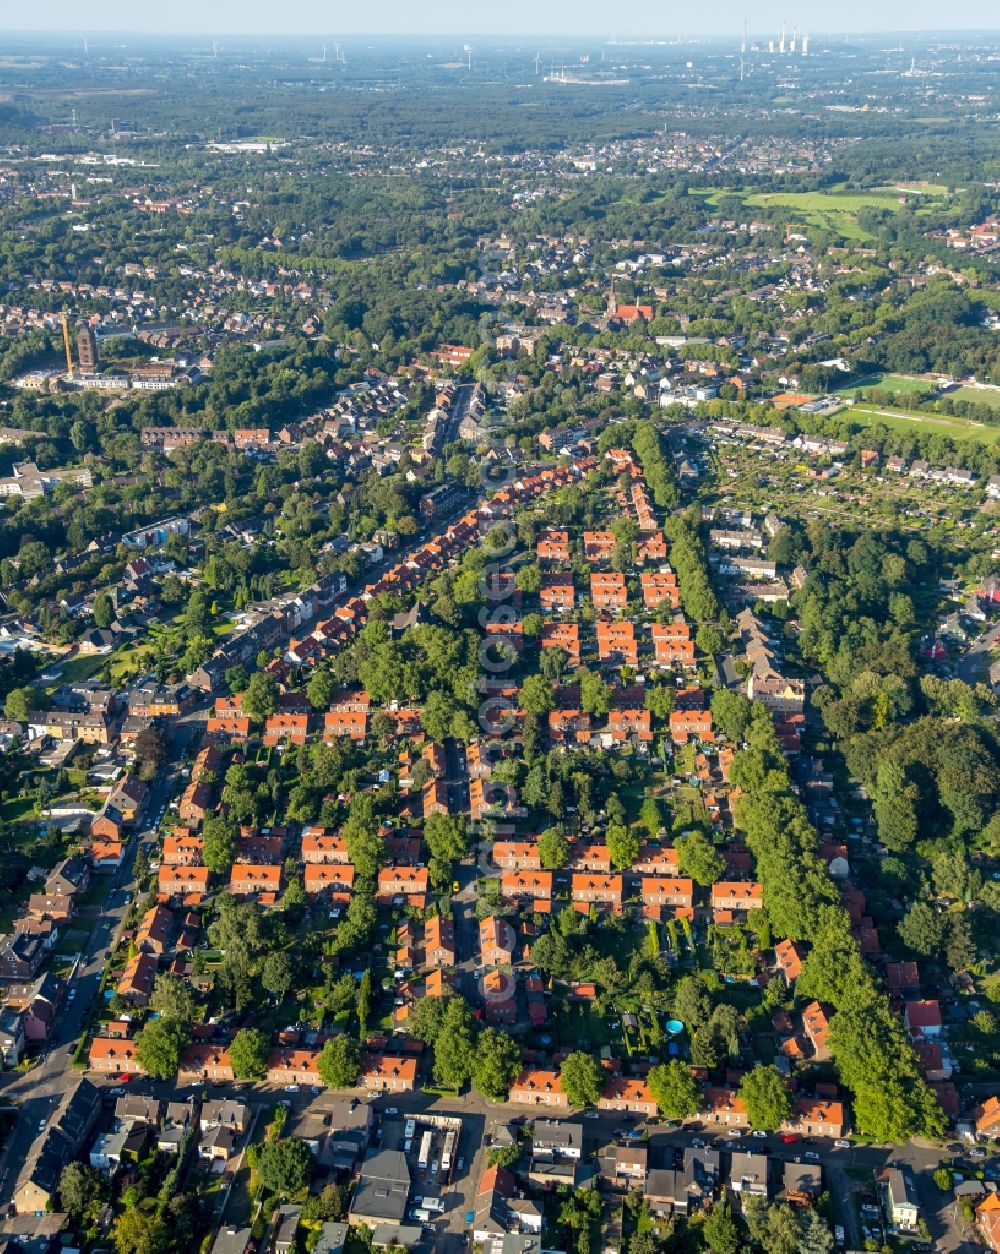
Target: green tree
651	817
660	701
698	858
709	639
437	715
20	702
284	1165
427	1019
503	1155
765	1097
623	845
595	695
172	998
960	949
453	1047
329	1204
339	1062
160	1045
816	1236
874	1058
237	677
260	700
536	695
496	1064
553	849
151	752
755	1214
922	929
248	1054
674	1089
79	1188
894	801
580	1075
783	1234
320	689
529	578
364	1003
731	713
692	1003
276	974
720	1230
943	1179
955	877
104	610
446	837
138	1230
218	844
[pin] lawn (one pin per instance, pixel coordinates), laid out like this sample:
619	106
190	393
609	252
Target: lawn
826	202
127	662
829	211
82	666
900	420
978	396
896	383
18	809
580	1026
914	189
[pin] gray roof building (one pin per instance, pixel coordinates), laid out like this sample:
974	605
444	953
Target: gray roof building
332	1239
557	1138
382	1189
232	1241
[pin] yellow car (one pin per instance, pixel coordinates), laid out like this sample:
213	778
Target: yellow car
455	886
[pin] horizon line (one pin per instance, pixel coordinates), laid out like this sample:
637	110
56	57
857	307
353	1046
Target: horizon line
74	32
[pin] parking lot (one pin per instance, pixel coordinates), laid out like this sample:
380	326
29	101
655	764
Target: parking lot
434	1146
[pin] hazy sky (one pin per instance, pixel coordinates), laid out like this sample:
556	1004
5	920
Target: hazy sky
510	17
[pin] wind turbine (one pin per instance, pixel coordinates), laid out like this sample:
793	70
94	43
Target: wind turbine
537	59
86	45
215	50
468	50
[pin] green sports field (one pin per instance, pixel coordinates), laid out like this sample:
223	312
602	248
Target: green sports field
835	210
938	424
898	384
978	396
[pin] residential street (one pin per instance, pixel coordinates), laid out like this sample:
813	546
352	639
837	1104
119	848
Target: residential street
38	1092
973	663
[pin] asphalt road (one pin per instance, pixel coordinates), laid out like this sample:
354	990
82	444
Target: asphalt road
974	661
459	411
